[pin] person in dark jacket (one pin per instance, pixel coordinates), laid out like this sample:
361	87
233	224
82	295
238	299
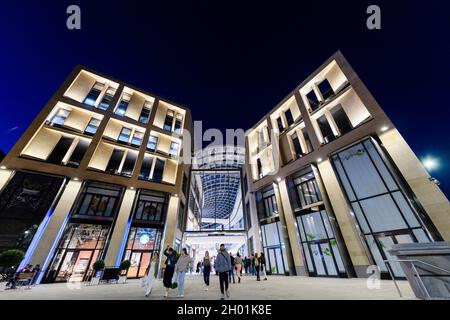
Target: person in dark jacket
232	269
256	264
169	270
262	264
223	266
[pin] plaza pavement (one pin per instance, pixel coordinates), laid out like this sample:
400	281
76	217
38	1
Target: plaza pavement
276	288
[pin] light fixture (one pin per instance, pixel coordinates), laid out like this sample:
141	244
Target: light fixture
430	163
132	188
3	167
76	179
319	159
175	194
384	128
278	179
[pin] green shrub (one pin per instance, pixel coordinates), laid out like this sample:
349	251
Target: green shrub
11	258
98	265
125	265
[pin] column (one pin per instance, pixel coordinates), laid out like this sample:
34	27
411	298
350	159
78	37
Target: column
45	248
120	232
291	226
356	249
5	175
171	222
284	231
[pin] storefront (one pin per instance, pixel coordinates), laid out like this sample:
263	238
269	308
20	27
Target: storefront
382	209
317	238
144	238
85	237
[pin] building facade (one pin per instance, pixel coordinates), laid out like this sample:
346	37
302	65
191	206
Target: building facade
325	186
97	175
334	183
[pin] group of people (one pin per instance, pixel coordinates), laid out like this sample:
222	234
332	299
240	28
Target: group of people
225	264
27	269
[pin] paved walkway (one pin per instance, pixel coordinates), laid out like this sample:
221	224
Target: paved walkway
276	288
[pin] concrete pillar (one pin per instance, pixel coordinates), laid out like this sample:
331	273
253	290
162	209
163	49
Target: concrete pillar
255	229
284	231
347	224
46	246
120	229
291	225
428	194
171	222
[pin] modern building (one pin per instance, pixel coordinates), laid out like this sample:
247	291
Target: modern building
324	184
97	175
2	155
334	183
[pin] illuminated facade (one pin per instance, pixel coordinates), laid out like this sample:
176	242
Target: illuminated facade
324	185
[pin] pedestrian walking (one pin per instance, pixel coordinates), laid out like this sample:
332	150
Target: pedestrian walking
223	266
152	273
262	263
231	275
206	269
169	269
256	265
183	265
238	266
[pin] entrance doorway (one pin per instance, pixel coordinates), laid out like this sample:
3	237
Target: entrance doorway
75	264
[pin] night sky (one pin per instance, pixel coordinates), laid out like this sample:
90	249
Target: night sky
231	63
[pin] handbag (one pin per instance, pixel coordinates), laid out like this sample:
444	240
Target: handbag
174	281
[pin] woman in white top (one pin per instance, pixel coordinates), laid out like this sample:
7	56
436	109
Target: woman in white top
152	273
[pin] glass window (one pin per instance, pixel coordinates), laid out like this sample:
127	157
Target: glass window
151	206
341	119
289	118
325	89
266	203
307	140
60	150
123	104
145	113
124	135
92	96
152	143
280	124
174	149
114	161
78	153
325	129
92	126
306	189
146	168
128	165
178	124
297	146
99	200
137	138
312	99
168	121
107	98
60	117
158	171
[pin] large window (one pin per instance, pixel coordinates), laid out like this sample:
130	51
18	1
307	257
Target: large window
306	189
173	151
146	168
115	161
78	153
274	250
123	104
266	203
107	98
152	143
325	89
98	201
325	129
60	150
124	135
383	212
158	171
80	247
151	206
142	244
289	118
92	126
312	99
168	121
145	113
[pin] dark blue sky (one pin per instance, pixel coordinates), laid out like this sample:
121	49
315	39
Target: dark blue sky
230	62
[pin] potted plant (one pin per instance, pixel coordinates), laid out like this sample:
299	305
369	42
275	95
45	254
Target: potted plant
124	266
98	266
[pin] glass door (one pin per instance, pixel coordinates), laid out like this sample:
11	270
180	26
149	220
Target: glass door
74	266
385	242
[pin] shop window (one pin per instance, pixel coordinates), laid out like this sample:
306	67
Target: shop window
306	189
266	203
150	206
98	200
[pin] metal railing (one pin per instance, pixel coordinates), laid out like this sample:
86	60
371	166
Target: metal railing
416	273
